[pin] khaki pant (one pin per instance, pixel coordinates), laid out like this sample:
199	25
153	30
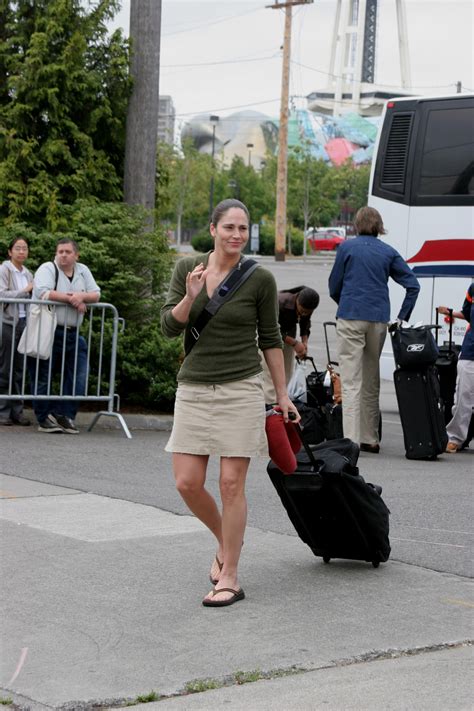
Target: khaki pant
289	363
360	346
458	427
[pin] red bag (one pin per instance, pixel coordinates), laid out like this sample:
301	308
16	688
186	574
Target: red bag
283	441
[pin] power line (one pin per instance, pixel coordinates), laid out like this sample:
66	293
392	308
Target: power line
213	64
230	108
213	22
357	81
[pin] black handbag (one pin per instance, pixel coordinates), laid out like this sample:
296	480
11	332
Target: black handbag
414	347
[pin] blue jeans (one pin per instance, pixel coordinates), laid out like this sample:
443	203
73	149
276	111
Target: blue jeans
68	408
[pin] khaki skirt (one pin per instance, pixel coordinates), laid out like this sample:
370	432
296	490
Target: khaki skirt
226	419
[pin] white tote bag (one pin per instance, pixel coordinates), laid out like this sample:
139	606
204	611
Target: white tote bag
297	389
38	336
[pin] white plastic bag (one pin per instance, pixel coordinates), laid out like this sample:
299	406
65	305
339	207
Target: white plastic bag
297	389
38	336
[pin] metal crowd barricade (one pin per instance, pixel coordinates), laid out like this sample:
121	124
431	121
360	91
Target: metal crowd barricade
100	329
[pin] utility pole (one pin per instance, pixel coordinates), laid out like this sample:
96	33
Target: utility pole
280	221
142	116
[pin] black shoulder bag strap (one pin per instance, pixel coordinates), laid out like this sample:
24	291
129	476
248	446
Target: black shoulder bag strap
223	293
56	271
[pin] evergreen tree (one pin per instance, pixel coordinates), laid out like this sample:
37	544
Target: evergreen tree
64	88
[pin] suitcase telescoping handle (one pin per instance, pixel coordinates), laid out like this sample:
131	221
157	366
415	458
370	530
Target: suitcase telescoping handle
307	448
450	316
325	326
306	357
310	359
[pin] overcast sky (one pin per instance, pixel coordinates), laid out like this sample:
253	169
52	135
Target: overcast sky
220	57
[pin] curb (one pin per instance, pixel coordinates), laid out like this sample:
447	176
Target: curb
156	423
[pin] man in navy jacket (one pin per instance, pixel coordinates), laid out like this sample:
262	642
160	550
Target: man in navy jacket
358	283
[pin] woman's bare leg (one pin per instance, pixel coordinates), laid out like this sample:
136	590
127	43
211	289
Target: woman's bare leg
234	518
190	476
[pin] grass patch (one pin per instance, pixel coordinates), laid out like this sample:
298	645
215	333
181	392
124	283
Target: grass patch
5	701
145	699
248	677
198	685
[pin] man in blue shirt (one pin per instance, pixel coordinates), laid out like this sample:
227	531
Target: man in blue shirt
358	283
458	427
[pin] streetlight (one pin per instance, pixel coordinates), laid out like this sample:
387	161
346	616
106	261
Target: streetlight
250	146
214	120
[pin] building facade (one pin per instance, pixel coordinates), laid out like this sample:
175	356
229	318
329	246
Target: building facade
166	119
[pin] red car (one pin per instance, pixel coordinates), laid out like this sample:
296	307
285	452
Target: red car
324	240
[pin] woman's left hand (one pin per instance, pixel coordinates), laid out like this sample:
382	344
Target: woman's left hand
286	407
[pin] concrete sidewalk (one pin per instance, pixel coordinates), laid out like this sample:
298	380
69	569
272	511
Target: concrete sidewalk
102	597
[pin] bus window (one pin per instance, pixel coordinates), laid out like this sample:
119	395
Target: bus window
447	161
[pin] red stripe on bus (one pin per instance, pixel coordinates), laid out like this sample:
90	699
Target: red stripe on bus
445	250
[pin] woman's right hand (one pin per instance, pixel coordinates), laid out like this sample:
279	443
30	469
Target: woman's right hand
195	281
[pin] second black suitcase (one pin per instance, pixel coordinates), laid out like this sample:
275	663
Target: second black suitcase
421	412
446	364
334	511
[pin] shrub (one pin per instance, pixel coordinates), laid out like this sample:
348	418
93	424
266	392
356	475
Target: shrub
202	241
295	241
267	240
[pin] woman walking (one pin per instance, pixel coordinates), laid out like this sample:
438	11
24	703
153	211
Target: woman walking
220	406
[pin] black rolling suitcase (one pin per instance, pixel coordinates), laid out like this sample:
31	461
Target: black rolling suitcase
446	363
421	412
334	511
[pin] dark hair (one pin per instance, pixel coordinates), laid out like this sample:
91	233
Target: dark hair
17	239
308	298
225	205
368	221
67	240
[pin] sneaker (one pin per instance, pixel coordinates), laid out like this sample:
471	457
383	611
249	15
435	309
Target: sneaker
50	425
452	447
66	424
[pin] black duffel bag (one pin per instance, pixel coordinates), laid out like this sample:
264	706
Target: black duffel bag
313	423
414	347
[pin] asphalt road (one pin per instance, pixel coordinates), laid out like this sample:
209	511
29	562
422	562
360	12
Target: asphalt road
431	502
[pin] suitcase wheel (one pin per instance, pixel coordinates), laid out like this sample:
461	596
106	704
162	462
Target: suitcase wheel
376	563
326	559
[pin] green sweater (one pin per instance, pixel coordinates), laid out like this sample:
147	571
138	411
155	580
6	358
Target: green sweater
227	348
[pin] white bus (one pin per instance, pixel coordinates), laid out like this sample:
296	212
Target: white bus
422	183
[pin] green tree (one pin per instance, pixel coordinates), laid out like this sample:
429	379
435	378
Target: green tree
347	186
183	186
63	107
307	201
244	183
